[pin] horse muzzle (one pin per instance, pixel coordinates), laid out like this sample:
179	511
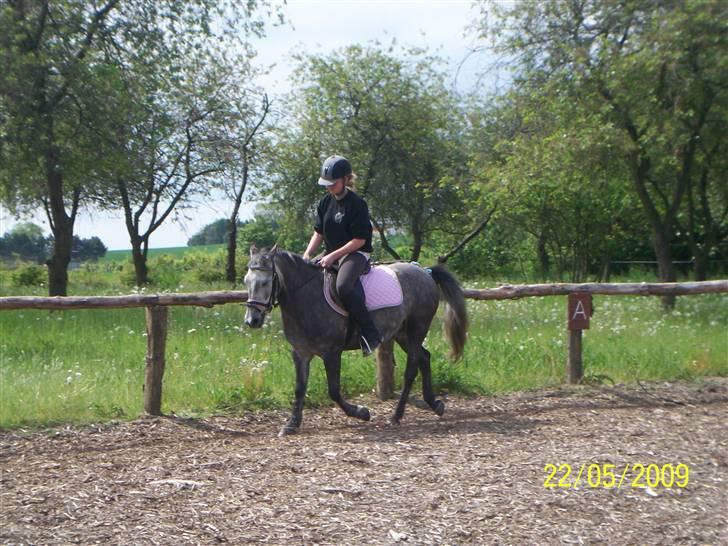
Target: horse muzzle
254	318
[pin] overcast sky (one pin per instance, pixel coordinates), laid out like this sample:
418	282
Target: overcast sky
317	26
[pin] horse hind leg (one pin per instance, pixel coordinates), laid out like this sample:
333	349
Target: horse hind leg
418	358
332	363
410	373
438	406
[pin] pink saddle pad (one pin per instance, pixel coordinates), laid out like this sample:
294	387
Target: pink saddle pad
381	289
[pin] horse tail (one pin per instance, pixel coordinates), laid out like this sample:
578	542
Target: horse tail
456	315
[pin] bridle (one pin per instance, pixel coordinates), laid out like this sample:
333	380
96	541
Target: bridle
266	306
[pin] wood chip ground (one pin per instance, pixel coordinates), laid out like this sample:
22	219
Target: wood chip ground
474	476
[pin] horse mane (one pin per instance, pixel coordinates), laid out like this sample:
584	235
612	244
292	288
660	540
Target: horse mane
296	260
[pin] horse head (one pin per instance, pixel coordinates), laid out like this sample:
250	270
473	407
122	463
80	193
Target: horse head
262	283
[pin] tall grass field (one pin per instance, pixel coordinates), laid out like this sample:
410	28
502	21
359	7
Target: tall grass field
85	366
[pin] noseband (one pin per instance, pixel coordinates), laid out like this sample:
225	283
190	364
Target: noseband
266	306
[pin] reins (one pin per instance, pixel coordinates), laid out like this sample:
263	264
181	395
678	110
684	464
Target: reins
274	298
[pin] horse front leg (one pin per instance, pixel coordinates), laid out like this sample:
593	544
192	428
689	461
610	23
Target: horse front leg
302	367
332	363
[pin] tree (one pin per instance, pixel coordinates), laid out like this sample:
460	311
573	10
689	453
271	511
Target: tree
62	93
176	127
658	70
262	230
244	138
26	241
90	249
172	156
562	186
211	234
48	86
396	122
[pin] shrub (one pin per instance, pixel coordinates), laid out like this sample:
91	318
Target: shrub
29	275
164	272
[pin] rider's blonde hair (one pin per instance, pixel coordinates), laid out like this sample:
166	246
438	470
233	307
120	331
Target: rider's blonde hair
350	181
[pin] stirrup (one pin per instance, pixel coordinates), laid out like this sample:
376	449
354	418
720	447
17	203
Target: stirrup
368	348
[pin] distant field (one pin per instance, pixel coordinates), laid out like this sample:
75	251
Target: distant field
123	255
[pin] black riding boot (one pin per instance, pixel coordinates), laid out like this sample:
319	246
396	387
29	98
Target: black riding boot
354	303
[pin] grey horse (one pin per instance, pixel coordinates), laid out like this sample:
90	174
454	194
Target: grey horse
277	277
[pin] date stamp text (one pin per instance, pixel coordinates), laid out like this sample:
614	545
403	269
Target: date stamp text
610	476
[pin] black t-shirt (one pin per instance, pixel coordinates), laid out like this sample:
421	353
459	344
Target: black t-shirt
340	221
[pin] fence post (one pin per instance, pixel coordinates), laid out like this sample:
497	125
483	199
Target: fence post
580	310
575	368
385	370
156	343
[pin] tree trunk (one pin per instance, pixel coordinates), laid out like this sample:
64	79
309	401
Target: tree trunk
665	270
606	272
58	263
417	244
384	241
700	267
61	223
543	257
141	272
232	245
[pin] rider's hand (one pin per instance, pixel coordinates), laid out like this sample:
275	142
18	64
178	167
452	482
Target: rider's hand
327	261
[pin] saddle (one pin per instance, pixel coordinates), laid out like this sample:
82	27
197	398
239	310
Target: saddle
381	289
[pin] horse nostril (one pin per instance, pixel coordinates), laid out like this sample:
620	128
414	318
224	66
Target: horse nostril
253	322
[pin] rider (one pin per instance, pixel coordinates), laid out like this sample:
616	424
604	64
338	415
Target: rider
342	222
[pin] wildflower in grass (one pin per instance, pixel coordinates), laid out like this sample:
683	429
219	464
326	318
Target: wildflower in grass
191	330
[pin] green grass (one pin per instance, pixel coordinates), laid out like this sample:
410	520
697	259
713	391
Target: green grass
88	365
177	251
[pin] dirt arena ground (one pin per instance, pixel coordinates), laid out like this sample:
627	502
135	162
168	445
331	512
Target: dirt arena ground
474	476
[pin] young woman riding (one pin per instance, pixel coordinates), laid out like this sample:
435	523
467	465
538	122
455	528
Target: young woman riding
343	223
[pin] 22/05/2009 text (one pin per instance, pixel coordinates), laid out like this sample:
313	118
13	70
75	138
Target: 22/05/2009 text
608	476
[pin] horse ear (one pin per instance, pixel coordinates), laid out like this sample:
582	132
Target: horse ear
273	250
253	249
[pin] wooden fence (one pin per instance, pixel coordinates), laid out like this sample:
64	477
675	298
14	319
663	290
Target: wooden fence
157	313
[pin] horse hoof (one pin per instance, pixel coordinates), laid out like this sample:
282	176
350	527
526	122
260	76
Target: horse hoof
287	430
363	413
394	420
439	408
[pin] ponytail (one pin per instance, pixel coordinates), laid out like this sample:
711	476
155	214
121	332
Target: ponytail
350	181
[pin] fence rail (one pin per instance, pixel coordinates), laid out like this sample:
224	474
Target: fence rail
157	314
201	299
504	292
508	291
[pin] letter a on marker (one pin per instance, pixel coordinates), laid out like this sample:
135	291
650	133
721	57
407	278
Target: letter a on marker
579	311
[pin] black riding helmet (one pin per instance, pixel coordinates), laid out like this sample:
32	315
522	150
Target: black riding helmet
333	168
